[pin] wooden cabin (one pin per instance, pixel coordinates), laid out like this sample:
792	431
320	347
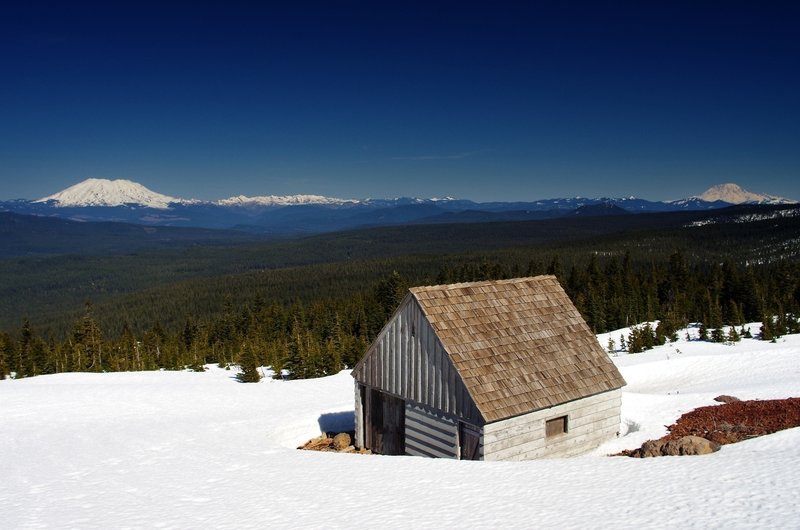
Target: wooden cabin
494	370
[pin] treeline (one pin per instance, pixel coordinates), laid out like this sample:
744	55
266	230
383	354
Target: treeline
309	340
316	336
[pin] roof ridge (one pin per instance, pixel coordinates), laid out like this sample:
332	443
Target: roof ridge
480	283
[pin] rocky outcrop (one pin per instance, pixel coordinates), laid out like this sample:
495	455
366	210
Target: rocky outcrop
687	445
724	398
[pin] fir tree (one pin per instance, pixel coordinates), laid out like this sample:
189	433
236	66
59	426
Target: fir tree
248	362
768	328
702	332
87	343
6	355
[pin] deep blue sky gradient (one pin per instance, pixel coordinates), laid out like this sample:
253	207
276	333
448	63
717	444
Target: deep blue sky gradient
485	101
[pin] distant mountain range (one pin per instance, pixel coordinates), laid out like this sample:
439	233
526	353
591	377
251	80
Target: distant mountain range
130	202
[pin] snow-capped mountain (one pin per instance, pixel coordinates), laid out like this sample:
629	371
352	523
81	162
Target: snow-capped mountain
282	200
735	194
105	192
126	201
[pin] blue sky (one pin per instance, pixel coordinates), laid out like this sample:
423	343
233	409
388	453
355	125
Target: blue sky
485	101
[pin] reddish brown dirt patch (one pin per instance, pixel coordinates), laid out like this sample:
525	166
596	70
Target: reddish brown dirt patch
738	420
734	422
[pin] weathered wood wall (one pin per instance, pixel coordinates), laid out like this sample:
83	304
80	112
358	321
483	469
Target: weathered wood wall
407	360
591	421
359	416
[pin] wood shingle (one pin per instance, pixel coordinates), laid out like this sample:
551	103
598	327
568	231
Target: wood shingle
519	345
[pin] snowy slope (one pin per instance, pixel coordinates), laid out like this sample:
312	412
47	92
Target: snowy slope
186	450
104	192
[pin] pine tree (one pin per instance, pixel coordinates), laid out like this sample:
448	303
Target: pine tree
555	268
248	362
25	366
768	328
6	354
390	293
702	333
87	343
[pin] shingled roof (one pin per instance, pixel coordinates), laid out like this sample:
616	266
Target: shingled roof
519	345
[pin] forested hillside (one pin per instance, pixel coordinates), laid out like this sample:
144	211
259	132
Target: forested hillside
312	306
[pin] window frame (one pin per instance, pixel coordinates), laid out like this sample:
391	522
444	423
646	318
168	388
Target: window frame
556	426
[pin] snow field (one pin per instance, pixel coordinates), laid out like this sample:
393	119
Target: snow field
200	450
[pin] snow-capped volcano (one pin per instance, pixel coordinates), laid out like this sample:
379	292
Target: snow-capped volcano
734	194
104	192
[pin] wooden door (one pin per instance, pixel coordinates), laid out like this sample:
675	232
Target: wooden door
469	438
386	424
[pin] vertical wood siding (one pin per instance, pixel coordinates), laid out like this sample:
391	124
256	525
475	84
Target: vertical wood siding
591	421
359	416
415	367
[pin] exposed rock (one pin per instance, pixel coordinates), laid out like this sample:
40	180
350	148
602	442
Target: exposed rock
650	448
341	441
689	445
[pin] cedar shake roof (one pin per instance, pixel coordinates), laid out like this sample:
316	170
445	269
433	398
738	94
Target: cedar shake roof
520	345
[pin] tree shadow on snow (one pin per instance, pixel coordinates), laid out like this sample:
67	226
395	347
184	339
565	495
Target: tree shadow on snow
336	422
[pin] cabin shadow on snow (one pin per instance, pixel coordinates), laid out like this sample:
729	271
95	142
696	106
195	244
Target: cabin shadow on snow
336	422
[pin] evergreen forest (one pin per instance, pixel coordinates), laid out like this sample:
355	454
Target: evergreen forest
311	307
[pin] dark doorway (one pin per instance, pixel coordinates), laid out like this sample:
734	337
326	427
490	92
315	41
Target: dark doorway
469	438
386	420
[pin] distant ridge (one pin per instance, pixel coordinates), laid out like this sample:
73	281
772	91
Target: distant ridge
97	199
99	192
281	200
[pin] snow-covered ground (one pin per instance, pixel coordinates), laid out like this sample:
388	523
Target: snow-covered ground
200	450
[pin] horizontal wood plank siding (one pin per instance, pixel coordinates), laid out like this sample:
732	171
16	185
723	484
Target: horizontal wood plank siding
591	421
430	434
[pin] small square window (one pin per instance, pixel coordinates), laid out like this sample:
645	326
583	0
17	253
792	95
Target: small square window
555	426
